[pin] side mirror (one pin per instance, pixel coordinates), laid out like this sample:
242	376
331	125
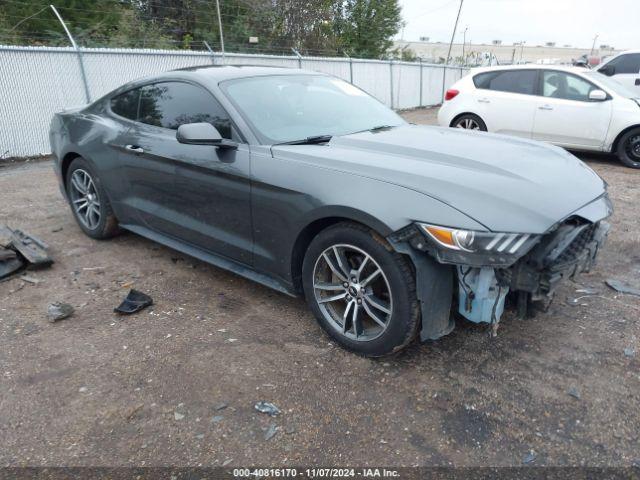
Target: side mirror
598	95
202	134
608	70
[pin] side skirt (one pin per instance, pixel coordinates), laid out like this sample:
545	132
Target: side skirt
211	258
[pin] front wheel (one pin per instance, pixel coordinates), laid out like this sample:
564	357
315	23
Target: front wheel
469	121
361	292
629	148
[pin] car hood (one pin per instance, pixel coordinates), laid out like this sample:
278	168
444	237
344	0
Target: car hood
505	183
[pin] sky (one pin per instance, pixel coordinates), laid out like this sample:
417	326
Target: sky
566	22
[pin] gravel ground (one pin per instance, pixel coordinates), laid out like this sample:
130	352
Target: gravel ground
176	384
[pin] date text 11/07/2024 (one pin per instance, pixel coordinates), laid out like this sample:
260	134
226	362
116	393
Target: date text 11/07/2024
315	473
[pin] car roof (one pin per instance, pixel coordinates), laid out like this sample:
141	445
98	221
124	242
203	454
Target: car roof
530	66
213	74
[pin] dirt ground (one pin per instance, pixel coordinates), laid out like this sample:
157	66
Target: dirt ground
176	384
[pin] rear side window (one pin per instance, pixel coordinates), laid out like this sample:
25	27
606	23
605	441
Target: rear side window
171	104
126	104
629	63
513	81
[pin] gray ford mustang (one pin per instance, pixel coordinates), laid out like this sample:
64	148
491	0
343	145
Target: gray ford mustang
304	183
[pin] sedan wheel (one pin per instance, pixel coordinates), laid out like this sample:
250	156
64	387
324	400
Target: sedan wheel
89	201
353	292
629	148
469	122
360	290
85	199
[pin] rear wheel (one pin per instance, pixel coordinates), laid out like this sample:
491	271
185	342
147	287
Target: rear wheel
361	292
469	121
89	202
629	148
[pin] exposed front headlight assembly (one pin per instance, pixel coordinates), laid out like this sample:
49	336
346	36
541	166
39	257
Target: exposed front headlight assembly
468	247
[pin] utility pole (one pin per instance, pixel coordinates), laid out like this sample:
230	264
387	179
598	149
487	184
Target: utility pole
446	63
464	42
220	28
593	47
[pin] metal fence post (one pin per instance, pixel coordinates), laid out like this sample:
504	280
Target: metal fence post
350	69
213	55
391	80
75	47
299	57
420	102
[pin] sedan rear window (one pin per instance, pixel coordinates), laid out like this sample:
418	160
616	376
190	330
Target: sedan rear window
126	104
513	81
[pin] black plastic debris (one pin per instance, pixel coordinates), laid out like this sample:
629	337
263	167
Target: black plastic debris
19	250
58	311
268	408
620	287
134	302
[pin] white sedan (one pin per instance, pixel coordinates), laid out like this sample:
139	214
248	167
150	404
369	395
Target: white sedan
570	107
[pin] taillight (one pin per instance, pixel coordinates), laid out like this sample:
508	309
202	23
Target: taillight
451	94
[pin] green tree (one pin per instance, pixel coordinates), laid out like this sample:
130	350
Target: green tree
364	28
32	22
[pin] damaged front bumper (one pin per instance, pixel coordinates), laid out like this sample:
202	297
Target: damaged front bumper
479	292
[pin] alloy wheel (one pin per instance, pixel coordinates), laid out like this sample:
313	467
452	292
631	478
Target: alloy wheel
85	199
352	292
468	124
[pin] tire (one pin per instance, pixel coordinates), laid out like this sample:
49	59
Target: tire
472	121
628	150
389	295
91	208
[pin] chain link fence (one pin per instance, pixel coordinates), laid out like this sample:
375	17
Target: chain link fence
39	81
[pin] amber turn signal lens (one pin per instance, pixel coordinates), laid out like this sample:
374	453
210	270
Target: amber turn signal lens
441	235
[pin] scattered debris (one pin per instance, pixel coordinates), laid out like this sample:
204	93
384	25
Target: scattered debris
629	352
59	311
290	429
217	419
268	408
134	302
271	431
620	287
200	436
127	284
131	412
82	390
227	462
178	416
588	291
19	250
18	288
573	391
529	458
221	406
31	280
56	230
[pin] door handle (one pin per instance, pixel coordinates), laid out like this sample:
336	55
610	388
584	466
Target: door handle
134	148
546	107
637	82
484	100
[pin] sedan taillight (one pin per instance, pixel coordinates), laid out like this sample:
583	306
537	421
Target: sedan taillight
451	94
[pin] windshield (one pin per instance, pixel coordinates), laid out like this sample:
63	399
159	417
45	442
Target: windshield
287	108
612	85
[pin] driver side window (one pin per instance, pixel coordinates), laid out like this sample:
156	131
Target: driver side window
556	84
